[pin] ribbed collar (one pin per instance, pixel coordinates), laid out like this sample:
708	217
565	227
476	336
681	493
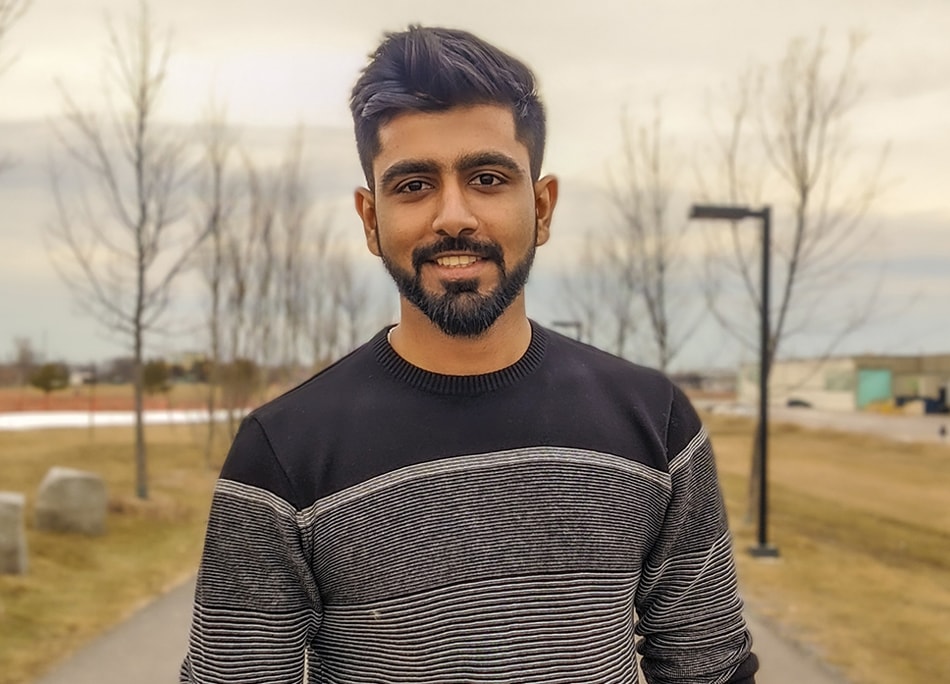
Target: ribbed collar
464	385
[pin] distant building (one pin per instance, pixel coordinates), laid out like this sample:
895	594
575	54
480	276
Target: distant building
707	383
854	383
81	375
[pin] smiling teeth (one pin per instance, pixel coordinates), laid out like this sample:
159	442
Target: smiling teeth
454	261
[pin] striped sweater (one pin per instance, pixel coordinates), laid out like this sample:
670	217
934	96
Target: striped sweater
380	523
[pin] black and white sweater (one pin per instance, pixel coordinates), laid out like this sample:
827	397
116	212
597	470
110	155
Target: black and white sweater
380	523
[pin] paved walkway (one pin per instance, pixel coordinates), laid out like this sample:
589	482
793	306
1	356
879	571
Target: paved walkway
896	426
148	648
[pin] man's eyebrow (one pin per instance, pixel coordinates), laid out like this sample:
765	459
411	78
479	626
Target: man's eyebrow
466	162
471	161
407	167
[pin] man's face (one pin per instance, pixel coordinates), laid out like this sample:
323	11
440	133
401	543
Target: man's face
454	214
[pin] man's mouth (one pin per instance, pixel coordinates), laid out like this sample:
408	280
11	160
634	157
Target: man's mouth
456	260
460	253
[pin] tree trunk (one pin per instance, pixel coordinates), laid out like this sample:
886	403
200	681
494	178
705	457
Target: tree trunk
138	385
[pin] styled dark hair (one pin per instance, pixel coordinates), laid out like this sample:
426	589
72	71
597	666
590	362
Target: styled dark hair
429	69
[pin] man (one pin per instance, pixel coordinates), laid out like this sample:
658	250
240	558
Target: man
468	497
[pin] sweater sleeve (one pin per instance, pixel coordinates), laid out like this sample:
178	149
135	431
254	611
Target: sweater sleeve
256	604
688	605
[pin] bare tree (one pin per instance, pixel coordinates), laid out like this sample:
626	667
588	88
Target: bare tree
647	245
283	293
802	160
629	271
351	297
261	291
217	202
263	194
600	293
583	290
10	12
246	316
116	241
324	317
295	204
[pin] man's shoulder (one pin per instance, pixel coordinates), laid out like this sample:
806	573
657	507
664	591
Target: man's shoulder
570	353
615	381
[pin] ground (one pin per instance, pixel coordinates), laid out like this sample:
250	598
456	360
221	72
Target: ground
103	397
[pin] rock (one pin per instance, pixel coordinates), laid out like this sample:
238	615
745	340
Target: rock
71	501
12	534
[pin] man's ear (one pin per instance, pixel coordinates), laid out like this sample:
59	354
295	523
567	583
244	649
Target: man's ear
365	203
545	199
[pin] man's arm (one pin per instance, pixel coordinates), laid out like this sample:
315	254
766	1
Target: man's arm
690	613
256	603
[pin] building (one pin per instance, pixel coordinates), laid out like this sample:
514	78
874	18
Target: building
854	383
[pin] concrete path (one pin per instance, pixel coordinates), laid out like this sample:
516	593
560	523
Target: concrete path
148	648
903	428
145	649
896	426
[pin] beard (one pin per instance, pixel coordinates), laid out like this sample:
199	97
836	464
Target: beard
461	310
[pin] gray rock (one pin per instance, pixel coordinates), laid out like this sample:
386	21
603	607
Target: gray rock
13	559
71	501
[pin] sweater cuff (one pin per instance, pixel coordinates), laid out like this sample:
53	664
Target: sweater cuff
746	672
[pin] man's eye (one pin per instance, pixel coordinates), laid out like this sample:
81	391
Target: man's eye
486	179
413	186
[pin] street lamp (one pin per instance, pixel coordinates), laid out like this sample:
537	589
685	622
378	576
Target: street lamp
720	212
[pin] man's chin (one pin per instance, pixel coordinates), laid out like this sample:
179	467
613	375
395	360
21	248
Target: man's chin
434	286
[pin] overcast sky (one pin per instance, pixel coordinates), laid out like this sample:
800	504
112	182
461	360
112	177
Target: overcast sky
283	62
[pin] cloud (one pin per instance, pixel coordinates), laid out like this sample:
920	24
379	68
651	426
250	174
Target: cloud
289	61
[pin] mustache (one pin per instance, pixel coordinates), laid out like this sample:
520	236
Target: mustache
485	250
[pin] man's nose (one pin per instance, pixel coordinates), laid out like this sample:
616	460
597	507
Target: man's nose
455	215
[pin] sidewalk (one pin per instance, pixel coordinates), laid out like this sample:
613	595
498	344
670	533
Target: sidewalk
148	648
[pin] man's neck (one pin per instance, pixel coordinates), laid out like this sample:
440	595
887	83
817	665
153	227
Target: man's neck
420	342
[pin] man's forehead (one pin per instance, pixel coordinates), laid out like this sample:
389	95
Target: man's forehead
473	112
448	135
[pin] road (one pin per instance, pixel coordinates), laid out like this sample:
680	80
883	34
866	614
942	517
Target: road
904	428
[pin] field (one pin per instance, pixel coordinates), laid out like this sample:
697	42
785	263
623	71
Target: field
101	397
76	587
863	526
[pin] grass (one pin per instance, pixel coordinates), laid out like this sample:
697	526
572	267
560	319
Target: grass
863	526
100	397
76	587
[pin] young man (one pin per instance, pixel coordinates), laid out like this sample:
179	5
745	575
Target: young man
468	497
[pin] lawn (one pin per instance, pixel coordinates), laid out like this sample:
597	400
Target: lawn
863	526
101	397
76	587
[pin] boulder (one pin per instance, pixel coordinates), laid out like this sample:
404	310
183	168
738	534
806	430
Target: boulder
12	534
71	501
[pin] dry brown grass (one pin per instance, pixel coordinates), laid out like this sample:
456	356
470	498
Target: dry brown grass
77	586
101	397
863	526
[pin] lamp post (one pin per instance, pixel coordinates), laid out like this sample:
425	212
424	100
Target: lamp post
719	212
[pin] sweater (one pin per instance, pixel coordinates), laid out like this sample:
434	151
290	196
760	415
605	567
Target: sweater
544	523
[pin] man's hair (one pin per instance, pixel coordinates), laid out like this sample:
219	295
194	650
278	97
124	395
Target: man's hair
426	69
